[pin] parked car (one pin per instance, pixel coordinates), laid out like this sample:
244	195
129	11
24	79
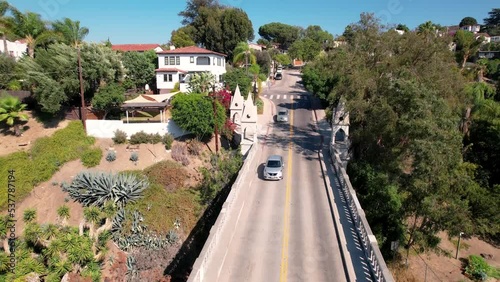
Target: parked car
282	115
278	76
273	170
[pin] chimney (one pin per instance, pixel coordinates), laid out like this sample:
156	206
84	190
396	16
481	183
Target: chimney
172	47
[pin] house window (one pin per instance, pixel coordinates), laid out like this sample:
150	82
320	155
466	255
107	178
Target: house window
203	61
218	61
166	60
177	60
167	77
181	77
220	77
172	60
191	59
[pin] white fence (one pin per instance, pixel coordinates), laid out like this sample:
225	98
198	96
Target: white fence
107	128
213	240
370	245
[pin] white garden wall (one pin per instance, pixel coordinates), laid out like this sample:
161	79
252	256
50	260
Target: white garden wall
107	128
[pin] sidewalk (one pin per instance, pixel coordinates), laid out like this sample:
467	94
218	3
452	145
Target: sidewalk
356	263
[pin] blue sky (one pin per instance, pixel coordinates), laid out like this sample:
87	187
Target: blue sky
149	21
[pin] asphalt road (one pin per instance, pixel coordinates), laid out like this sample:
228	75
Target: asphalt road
285	229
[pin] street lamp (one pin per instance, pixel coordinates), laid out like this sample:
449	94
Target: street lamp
458	244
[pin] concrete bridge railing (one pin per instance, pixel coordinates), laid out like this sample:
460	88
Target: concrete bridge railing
228	208
370	245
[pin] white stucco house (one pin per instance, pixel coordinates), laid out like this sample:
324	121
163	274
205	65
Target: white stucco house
177	65
15	49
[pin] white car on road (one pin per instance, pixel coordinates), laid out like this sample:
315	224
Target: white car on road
282	115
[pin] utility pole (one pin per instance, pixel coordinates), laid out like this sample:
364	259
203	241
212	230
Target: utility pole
215	121
83	110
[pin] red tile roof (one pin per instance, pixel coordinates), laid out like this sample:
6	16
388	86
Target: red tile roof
134	47
190	50
170	70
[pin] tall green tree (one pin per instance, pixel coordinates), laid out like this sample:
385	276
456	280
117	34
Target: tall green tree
208	28
194	113
238	76
191	12
280	33
402	27
405	97
236	27
107	98
11	112
492	22
71	31
183	37
52	76
139	68
468	21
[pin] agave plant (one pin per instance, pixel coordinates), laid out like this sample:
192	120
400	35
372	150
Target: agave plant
97	188
118	223
131	267
172	237
111	156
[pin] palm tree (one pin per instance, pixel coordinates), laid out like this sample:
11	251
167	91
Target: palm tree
243	54
4	23
71	31
201	82
467	45
482	67
11	112
33	29
63	213
92	216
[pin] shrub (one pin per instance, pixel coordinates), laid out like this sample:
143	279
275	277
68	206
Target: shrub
155	138
167	140
262	77
195	147
120	137
260	106
92	157
180	154
140	137
177	87
477	268
111	156
169	174
134	157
